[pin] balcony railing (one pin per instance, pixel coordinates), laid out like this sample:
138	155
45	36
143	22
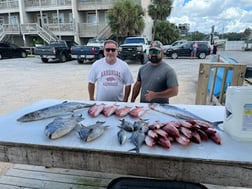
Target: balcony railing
98	4
47	3
9	5
90	30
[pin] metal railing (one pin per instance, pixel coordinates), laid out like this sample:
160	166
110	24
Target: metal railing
9	4
47	3
34	28
94	30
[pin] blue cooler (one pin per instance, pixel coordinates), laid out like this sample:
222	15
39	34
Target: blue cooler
219	75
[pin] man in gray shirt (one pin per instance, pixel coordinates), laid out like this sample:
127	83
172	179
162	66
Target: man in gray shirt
156	80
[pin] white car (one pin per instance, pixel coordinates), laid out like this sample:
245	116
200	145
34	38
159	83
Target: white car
175	43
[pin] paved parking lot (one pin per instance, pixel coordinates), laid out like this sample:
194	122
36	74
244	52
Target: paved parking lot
25	81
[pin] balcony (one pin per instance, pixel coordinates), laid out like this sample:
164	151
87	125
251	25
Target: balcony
85	5
92	30
35	5
9	6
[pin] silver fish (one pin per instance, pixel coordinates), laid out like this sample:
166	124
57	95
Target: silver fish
122	136
53	111
179	113
137	138
61	126
141	125
126	125
91	132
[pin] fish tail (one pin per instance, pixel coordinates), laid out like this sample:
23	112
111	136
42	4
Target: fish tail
216	125
135	149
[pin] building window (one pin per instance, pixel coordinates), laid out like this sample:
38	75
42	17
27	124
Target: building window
92	18
58	18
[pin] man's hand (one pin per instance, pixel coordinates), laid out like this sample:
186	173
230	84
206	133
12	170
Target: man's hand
149	95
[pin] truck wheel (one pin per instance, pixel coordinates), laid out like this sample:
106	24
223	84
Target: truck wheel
80	61
23	55
45	60
63	58
100	56
144	59
202	55
174	55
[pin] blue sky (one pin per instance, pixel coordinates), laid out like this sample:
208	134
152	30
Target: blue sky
225	15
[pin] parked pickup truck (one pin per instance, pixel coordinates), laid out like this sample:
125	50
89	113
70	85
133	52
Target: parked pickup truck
134	48
90	52
55	50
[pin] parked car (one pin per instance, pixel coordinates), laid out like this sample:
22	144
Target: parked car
175	43
10	50
185	49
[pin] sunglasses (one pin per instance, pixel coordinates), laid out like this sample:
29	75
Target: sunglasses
154	51
110	49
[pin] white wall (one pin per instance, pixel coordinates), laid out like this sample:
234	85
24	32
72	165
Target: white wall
234	45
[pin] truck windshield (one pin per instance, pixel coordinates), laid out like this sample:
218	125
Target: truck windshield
134	40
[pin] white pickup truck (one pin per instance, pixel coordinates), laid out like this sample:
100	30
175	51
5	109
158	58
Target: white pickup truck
134	48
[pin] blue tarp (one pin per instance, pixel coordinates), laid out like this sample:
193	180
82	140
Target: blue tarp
220	75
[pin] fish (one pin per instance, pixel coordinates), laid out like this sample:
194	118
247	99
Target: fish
141	125
109	110
180	113
126	125
92	132
96	109
61	126
137	112
137	138
53	111
122	136
122	112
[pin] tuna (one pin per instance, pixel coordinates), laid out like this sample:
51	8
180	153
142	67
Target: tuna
61	126
122	136
137	138
91	132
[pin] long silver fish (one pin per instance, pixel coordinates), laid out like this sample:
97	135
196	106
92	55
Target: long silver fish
61	126
91	132
178	113
53	111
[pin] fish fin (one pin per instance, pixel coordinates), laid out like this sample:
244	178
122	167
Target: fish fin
64	102
216	125
135	149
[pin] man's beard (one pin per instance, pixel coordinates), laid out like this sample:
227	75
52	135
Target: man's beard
154	59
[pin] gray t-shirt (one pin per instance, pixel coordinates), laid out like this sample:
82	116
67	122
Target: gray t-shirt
156	78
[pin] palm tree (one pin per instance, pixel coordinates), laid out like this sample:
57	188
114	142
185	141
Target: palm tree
159	10
126	18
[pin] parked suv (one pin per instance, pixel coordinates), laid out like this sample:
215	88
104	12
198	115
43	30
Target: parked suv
185	49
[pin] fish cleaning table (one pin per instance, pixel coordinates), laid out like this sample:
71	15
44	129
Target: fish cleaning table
228	164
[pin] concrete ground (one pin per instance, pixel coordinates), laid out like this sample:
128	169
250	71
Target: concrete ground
26	81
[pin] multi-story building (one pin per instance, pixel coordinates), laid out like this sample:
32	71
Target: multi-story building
25	21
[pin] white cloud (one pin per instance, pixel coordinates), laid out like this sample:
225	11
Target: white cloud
226	15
